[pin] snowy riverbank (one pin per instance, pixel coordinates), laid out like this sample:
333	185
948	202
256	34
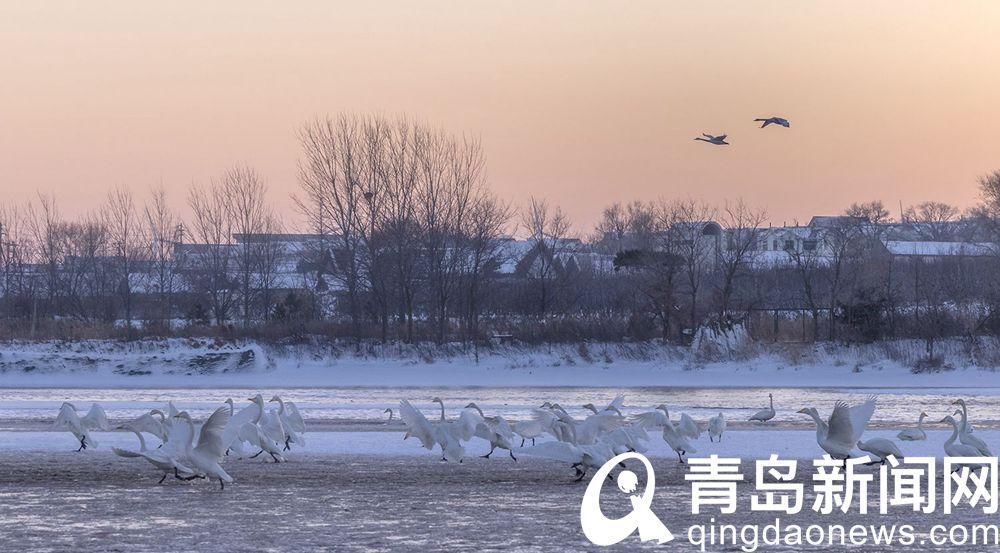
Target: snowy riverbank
205	363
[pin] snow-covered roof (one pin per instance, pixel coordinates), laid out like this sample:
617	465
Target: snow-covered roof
939	249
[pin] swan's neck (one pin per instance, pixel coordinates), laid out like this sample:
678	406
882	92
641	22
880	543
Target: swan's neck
188	446
232	410
142	441
954	435
163	419
920	423
442	410
390	415
666	414
820	426
480	411
281	406
260	412
771	402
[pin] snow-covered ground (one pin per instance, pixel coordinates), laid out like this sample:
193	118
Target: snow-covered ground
206	364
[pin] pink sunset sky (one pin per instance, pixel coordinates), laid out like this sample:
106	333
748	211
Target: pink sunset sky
583	103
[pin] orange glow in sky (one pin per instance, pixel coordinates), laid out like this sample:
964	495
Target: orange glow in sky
584	103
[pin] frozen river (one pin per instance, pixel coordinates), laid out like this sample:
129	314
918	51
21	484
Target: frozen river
364	407
358	486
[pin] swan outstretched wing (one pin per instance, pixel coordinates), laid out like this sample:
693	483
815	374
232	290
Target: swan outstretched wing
67	418
295	420
860	415
210	439
650	419
465	426
840	429
616	404
502	427
149	424
417	424
240	418
179	437
95	419
273	428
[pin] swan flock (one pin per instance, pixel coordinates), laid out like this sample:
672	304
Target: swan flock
188	451
170	441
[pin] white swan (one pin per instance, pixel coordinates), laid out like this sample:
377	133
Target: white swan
969	439
964	424
495	430
841	433
677	441
688	427
914	435
660	416
165	458
80	427
952	449
206	456
448	435
528	430
292	423
716	427
765	414
774	121
717	140
881	448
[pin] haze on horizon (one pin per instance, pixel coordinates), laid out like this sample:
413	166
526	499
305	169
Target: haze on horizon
582	104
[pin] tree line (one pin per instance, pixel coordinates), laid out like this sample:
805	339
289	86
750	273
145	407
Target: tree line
403	239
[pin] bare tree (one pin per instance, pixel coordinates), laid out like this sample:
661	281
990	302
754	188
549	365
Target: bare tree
165	233
210	264
934	220
736	258
697	240
250	217
484	228
332	195
129	244
548	232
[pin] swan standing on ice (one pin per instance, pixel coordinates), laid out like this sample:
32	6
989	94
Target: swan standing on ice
677	442
965	433
767	413
80	427
448	435
495	430
717	140
914	435
774	121
292	424
952	449
716	427
881	448
841	433
206	456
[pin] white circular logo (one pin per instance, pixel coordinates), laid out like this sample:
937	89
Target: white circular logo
601	530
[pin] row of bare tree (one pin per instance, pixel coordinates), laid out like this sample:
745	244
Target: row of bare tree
405	240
